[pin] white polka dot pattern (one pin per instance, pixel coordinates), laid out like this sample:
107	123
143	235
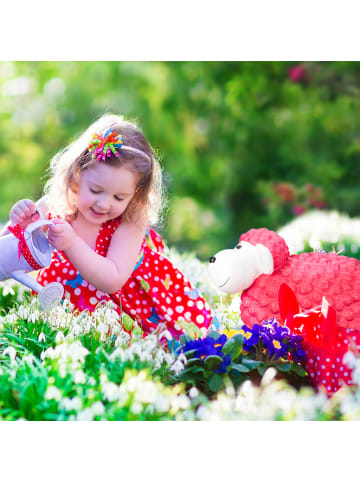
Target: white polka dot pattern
140	296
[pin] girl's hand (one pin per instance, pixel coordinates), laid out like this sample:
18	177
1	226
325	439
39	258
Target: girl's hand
61	235
24	212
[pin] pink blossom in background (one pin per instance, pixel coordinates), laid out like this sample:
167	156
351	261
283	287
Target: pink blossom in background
318	204
297	74
297	210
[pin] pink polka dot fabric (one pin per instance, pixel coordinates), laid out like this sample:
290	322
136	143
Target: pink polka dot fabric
156	292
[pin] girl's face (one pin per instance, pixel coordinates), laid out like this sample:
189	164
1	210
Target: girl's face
105	192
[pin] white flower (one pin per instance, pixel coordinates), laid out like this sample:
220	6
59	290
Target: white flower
162	404
318	225
34	316
146	392
41	337
136	407
350	359
180	402
98	408
59	338
23	312
166	334
70	404
11	318
194	392
79	376
53	393
85	415
177	367
29	358
110	391
11	352
268	376
203	413
7	288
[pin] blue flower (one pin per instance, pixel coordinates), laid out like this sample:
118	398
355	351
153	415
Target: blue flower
251	336
276	339
208	346
224	364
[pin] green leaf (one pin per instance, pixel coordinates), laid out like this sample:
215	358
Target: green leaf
193	369
212	361
239	338
214	334
283	367
240	368
189	353
215	382
233	346
193	361
262	368
184	338
251	363
299	370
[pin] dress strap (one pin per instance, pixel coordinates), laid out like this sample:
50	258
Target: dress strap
104	235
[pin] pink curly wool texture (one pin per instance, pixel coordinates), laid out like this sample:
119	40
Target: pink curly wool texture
275	243
310	275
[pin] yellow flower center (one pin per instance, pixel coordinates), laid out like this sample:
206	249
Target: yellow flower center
231	332
276	344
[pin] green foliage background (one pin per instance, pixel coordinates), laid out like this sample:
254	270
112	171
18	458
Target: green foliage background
225	133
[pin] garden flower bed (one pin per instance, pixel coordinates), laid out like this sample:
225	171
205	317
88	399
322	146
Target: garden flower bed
64	365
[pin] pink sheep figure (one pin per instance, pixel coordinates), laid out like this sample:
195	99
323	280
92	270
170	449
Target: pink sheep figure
261	262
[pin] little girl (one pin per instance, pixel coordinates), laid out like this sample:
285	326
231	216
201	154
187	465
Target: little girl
104	190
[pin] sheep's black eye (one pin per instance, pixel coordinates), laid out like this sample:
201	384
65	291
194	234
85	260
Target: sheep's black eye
238	246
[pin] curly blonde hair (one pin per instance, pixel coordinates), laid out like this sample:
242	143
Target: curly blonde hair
67	166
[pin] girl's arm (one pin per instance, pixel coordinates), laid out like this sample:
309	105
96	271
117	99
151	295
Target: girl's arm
106	274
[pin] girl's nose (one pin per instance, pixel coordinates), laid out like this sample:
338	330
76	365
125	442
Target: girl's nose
103	203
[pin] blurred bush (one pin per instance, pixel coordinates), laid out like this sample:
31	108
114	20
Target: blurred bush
243	144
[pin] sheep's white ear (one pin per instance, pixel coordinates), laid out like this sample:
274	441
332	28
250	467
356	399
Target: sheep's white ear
265	259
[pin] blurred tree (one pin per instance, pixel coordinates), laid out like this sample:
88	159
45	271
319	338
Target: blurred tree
228	134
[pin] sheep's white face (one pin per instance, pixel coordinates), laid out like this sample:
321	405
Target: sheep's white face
234	270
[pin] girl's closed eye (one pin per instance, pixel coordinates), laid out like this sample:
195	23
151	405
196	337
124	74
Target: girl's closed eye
94	191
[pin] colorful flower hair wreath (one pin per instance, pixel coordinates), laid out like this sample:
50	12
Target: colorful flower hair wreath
104	146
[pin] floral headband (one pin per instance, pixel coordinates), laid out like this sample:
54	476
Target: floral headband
103	146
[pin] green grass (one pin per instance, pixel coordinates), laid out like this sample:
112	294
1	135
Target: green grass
67	366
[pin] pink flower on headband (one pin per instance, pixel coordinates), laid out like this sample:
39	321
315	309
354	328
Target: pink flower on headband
102	146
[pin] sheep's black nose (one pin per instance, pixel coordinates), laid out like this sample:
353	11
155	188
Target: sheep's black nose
212	259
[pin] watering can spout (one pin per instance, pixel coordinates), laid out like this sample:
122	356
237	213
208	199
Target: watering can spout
49	295
26	280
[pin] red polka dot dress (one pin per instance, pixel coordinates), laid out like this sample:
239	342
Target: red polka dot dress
156	292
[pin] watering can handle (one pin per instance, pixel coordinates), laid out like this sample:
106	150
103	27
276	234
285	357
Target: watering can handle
38	224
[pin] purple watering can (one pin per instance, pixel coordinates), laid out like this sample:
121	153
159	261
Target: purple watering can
23	251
